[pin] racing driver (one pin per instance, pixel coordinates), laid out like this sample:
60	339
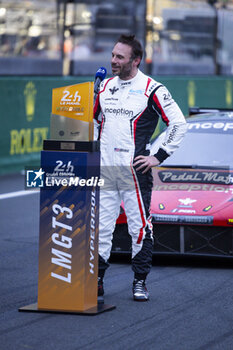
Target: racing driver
127	110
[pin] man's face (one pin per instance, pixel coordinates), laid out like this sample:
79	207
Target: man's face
122	63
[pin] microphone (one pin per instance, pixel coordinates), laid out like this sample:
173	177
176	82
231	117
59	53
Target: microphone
99	76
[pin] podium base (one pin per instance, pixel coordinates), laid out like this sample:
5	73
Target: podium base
100	308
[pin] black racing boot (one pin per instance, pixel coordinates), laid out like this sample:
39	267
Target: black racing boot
100	290
140	292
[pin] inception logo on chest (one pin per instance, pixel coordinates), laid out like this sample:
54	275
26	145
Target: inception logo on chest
119	111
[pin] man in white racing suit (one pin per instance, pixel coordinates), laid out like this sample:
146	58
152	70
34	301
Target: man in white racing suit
127	110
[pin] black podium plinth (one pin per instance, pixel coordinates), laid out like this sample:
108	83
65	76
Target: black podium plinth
79	146
99	309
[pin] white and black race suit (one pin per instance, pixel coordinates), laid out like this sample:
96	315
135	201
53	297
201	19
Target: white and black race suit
128	112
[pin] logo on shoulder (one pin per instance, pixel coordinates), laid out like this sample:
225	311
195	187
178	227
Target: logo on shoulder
152	87
167	96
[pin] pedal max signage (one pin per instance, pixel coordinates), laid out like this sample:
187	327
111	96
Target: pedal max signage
68	250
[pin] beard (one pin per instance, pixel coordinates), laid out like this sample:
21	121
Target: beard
124	71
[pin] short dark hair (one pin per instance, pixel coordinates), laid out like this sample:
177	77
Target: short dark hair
135	44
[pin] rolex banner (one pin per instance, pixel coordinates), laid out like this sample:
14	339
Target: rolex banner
72	112
68	243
